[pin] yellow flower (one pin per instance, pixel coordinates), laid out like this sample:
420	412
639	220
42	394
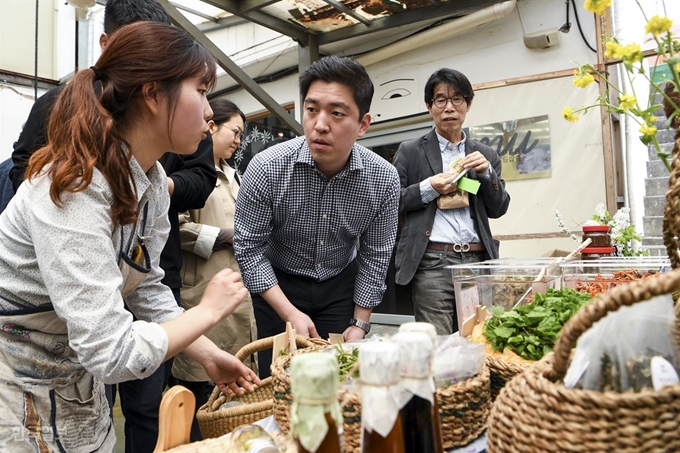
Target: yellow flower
677	67
653	119
597	6
648	130
568	114
631	53
613	50
627	102
583	80
658	25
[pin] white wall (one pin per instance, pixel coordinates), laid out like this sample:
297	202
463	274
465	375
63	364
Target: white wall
56	37
576	184
56	57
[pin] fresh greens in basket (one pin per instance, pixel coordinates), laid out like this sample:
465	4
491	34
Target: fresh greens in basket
531	330
347	361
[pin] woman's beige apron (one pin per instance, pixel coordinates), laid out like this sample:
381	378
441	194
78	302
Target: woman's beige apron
48	401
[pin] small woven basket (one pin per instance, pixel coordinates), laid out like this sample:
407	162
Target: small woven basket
536	413
501	372
463	407
281	385
215	422
350	405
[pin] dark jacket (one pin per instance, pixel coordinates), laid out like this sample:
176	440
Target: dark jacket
34	134
194	177
419	159
6	190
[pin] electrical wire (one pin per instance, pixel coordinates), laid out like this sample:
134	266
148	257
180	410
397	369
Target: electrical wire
567	25
578	22
35	85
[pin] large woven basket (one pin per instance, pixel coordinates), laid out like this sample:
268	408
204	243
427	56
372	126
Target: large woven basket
536	413
463	407
671	215
215	422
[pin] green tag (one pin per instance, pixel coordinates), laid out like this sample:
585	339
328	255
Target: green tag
469	185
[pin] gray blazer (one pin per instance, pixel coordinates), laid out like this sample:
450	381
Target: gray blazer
417	160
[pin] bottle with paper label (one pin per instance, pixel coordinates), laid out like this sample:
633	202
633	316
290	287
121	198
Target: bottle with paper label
315	412
382	430
431	332
417	391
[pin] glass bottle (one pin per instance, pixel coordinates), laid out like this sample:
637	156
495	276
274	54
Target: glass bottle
382	430
417	391
315	412
252	439
431	332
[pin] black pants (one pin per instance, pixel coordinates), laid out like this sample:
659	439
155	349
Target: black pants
329	303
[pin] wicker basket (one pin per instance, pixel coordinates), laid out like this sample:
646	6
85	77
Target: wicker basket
463	407
281	386
536	413
501	372
215	422
671	215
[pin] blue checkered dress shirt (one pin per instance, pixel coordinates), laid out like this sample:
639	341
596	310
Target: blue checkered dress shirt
290	216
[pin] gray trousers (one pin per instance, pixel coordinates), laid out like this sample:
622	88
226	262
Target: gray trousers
432	289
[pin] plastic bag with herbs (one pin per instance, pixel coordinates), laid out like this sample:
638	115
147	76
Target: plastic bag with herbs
628	350
456	359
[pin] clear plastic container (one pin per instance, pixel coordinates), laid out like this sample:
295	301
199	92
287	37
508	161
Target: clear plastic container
506	284
598	276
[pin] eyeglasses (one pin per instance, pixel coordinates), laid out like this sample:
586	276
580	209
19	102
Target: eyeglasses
238	134
441	101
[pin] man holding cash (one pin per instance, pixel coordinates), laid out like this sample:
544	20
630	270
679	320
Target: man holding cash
450	187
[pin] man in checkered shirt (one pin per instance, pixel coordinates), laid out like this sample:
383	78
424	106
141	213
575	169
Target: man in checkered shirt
316	216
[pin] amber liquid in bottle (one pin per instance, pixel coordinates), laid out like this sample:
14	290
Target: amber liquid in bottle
419	434
372	442
330	444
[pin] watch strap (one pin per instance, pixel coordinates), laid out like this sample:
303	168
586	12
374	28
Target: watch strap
363	325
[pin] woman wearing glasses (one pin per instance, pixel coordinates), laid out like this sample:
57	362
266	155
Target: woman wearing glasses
207	235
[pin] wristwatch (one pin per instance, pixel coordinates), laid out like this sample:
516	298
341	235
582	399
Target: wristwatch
363	325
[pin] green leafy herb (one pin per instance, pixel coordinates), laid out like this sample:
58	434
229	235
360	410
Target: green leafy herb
347	362
531	330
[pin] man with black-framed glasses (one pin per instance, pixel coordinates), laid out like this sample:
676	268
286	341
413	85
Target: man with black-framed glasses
440	230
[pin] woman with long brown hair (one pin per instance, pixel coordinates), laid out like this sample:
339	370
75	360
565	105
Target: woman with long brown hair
81	242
